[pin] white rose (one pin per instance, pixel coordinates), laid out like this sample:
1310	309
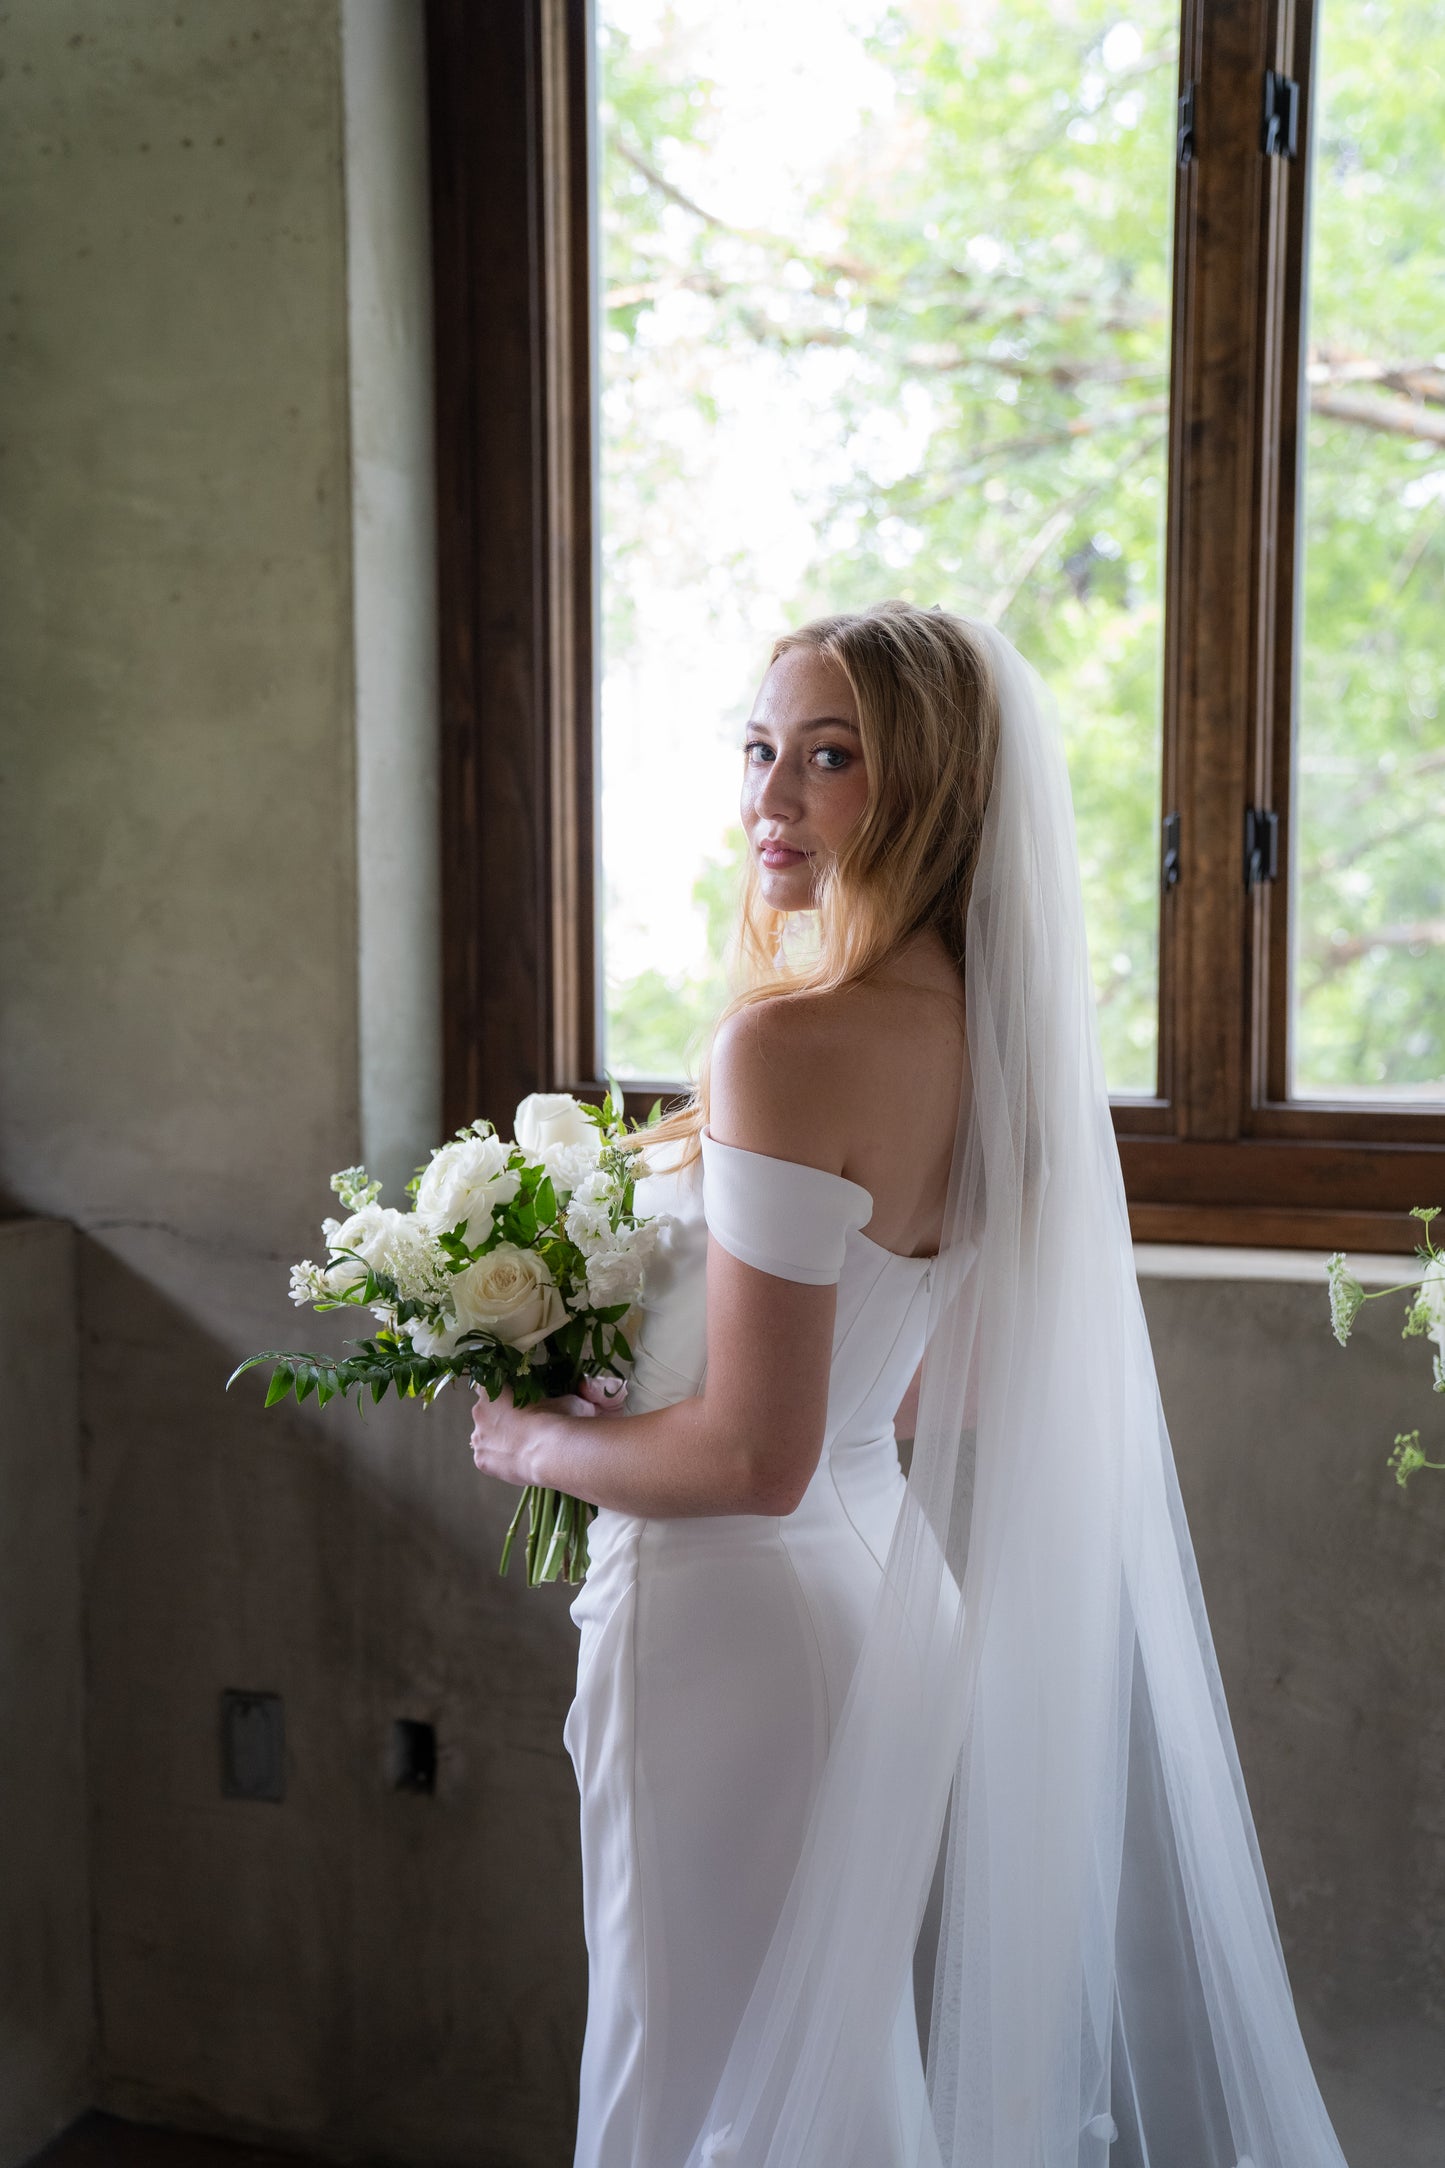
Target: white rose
368	1233
464	1186
509	1293
545	1119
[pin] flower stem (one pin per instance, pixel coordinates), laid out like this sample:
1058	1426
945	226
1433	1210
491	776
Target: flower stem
512	1530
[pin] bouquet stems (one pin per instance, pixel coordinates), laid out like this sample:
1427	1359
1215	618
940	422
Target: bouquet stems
556	1535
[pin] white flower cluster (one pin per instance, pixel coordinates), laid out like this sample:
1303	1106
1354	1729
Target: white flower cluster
383	1240
1431	1302
617	1254
509	1293
1432	1299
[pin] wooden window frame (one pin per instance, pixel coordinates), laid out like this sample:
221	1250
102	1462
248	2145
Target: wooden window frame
1220	1154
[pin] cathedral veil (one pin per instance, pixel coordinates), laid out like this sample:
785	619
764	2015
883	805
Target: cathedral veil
1037	1687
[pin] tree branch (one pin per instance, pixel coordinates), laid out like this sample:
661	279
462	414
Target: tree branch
1396	417
1330	956
1057	524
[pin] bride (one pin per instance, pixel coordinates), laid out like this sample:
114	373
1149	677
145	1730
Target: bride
804	1680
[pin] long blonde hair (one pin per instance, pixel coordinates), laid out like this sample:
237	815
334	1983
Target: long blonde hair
928	723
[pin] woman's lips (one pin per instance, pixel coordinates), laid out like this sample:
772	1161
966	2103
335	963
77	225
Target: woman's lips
778	856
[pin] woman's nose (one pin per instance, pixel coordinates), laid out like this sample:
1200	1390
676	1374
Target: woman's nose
777	792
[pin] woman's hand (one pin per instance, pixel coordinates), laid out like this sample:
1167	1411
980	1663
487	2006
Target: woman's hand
505	1437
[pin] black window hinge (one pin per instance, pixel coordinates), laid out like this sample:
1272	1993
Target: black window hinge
1261	846
1280	134
1184	134
1169	863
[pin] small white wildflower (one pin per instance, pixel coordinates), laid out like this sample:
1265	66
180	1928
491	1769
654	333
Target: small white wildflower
589	1213
1431	1300
414	1261
1346	1295
308	1283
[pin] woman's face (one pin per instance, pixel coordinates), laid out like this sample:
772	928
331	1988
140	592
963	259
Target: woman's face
804	782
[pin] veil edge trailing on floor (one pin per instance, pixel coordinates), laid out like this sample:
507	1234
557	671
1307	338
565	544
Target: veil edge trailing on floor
1038	1674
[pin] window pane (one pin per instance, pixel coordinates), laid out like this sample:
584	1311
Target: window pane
887	315
1368	983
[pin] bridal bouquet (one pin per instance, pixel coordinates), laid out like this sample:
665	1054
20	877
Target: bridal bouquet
515	1266
1424	1318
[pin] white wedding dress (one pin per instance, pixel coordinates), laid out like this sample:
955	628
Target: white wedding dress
715	1656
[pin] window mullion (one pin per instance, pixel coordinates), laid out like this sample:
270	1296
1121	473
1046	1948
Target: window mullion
1222	494
1280	568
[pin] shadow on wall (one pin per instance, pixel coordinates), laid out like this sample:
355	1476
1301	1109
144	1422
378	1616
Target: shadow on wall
371	1971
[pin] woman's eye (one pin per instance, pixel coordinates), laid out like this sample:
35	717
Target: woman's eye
756	747
832	757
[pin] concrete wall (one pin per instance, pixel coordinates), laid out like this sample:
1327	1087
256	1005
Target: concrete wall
393	518
181	1068
196	1034
1326	1594
45	1971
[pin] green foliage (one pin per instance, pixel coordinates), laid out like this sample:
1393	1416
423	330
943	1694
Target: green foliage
354	1188
1370	905
378	1365
985	272
1424	1317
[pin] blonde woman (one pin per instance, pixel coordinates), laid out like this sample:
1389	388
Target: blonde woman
798	1669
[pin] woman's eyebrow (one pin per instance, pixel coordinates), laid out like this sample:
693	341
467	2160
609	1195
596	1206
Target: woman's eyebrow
816	722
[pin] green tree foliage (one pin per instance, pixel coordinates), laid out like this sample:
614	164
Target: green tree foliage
977	291
1370	904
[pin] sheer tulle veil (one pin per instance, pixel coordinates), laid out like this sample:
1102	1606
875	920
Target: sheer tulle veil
1037	1691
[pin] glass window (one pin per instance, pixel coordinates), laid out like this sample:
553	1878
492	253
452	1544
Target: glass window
1368	977
888	315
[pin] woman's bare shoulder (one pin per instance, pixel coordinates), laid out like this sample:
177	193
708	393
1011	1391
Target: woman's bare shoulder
793	1075
774	1078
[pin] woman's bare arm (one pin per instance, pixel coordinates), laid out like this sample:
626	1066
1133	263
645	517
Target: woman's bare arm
747	1443
750	1441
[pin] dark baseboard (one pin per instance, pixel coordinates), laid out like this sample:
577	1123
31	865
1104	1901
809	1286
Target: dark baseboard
104	2141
